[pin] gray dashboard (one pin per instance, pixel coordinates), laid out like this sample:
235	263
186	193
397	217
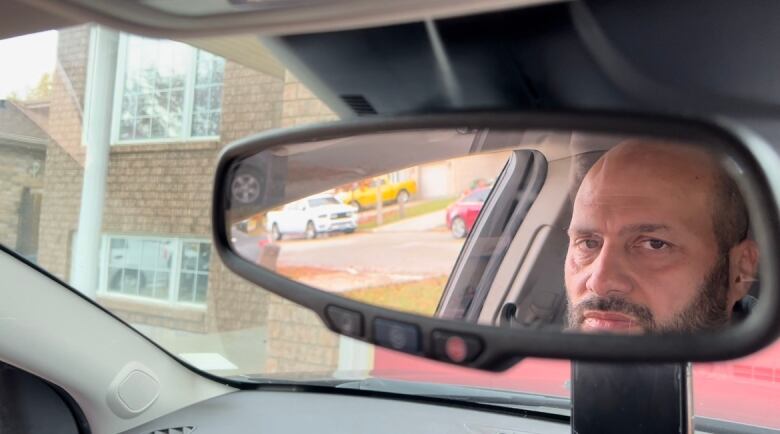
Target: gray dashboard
264	411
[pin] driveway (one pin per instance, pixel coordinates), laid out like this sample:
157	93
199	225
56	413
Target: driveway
418	253
415	246
423	223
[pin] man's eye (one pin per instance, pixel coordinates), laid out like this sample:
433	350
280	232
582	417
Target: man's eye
654	244
589	244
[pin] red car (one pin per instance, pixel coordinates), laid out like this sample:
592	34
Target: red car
462	213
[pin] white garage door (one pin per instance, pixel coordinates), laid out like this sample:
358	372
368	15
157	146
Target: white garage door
435	180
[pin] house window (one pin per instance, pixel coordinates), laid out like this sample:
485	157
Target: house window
166	91
207	105
194	274
168	269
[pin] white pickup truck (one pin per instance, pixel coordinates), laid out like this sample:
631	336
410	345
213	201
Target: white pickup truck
312	216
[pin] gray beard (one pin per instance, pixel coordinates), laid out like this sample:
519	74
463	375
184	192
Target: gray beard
708	311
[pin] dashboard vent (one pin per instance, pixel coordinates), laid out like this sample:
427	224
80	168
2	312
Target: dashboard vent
178	430
359	104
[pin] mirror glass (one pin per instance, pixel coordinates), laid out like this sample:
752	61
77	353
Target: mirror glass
555	230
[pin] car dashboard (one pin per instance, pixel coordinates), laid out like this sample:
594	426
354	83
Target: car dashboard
268	411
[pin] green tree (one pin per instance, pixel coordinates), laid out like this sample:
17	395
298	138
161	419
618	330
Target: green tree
42	90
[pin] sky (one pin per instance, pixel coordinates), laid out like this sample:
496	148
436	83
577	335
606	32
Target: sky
25	59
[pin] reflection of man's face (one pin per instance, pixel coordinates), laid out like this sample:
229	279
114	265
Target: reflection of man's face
643	254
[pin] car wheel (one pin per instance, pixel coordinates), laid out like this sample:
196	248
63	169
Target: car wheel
402	196
458	228
275	234
355	204
349	231
311	231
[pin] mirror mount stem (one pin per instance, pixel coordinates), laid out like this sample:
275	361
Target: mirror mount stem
619	398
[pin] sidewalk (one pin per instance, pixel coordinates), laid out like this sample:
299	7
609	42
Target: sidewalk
423	223
369	215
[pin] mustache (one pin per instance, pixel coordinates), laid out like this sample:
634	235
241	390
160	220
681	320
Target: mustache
642	314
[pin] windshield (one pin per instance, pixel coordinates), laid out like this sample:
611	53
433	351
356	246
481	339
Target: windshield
131	229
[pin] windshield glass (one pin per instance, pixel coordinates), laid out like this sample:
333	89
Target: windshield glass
132	228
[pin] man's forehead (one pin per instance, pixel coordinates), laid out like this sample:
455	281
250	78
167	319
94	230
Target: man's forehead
645	182
636	169
624	220
633	191
656	161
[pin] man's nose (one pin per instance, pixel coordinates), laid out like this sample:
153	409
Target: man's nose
608	272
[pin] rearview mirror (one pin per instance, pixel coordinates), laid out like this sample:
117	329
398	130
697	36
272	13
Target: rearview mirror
481	239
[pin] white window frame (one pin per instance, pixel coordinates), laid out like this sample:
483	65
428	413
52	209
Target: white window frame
179	250
189	95
176	270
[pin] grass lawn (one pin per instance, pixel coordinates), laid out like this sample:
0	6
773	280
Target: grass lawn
414	210
420	297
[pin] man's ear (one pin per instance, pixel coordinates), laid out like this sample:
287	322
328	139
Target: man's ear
743	269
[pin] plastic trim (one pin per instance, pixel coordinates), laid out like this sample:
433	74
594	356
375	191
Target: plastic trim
135	17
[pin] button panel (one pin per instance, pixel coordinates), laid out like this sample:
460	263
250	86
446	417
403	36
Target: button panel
454	347
397	335
347	322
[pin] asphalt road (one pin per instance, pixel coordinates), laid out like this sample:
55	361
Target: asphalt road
423	253
246	245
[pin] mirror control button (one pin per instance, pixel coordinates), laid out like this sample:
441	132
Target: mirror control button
456	347
347	322
397	335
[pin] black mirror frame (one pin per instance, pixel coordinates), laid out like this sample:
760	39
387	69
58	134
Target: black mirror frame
501	348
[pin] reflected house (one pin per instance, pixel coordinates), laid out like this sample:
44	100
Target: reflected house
454	177
23	143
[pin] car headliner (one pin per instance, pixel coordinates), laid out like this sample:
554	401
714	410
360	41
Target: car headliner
604	54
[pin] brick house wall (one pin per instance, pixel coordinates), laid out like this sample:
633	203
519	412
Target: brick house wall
22	163
152	189
251	102
67	94
59	210
17	164
160	189
298	341
65	155
301	107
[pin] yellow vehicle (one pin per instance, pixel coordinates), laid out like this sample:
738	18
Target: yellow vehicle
252	223
363	194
